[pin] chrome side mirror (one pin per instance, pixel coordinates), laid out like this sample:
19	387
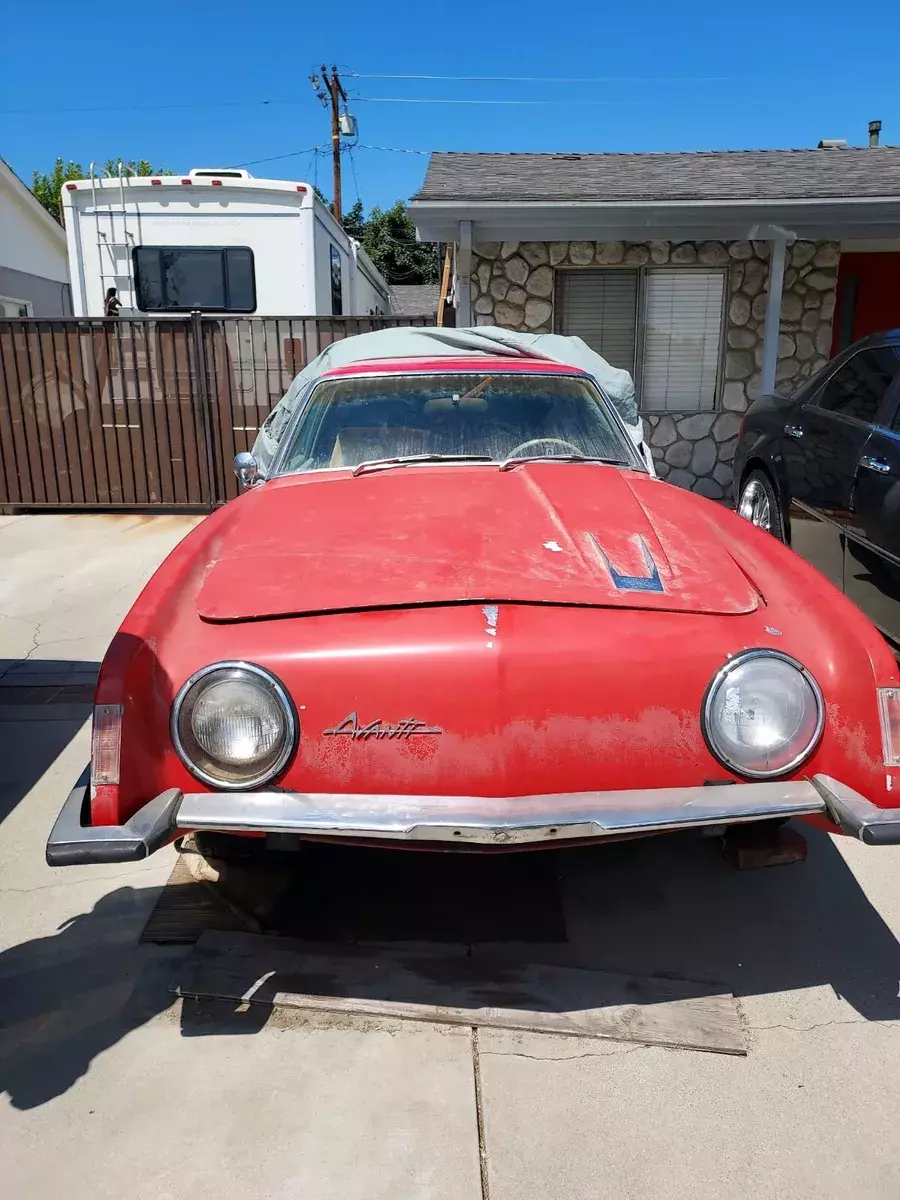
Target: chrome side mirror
246	468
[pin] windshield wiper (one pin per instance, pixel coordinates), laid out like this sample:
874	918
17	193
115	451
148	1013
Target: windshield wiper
403	460
509	463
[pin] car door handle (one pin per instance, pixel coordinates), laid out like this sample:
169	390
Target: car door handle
794	431
875	464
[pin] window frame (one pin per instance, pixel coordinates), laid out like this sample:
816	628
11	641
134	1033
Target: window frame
640	326
222	250
337	292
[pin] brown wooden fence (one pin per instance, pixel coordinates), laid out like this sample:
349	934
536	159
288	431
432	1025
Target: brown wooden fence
145	413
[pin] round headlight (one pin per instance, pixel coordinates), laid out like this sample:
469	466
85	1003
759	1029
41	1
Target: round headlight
233	725
763	714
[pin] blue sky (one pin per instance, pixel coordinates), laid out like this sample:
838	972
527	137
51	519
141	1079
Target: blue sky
701	74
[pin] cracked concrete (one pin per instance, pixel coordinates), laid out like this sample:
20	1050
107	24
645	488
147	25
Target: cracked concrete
566	1057
19	662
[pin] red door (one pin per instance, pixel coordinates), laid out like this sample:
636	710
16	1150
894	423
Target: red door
868	297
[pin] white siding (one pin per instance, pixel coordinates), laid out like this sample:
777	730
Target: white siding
27	242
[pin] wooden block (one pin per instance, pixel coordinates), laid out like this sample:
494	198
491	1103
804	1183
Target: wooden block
462	991
748	847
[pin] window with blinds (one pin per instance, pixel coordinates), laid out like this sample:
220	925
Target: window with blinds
678	336
682	331
600	307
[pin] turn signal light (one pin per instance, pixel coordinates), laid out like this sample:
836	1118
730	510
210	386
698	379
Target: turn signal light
106	744
889	711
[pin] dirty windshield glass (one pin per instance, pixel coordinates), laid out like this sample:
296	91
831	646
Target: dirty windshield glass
350	420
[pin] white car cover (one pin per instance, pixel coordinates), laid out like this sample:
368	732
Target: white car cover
430	342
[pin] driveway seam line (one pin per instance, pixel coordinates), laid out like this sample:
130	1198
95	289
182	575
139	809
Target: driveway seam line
479	1115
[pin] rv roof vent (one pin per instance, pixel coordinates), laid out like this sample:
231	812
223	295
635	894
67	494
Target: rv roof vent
825	144
219	173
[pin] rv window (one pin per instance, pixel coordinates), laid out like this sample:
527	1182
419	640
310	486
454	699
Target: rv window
337	302
181	278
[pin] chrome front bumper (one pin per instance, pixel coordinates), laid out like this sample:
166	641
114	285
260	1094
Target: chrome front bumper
479	820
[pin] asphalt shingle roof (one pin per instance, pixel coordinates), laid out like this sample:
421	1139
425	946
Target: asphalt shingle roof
696	175
414	299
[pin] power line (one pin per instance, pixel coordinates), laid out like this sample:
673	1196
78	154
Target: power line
255	162
105	108
353	171
312	163
555	80
529	103
320	149
392	149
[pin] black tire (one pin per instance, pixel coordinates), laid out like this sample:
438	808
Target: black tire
759	504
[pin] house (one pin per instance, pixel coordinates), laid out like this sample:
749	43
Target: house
34	275
711	276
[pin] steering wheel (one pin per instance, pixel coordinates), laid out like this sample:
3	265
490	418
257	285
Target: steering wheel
543	441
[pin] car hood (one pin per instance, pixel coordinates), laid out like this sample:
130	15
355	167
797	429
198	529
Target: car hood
542	533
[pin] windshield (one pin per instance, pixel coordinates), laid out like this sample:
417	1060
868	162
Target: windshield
353	420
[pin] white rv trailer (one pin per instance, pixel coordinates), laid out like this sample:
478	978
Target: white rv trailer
217	241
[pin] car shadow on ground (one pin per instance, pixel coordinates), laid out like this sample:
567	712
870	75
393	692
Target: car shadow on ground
674	907
66	998
668	907
43	704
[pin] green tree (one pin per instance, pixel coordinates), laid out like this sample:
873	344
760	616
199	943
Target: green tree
388	236
389	239
355	221
47	185
320	195
130	168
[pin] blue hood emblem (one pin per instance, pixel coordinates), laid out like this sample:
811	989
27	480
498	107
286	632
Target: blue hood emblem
633	583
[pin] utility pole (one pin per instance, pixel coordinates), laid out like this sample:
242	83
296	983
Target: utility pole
332	95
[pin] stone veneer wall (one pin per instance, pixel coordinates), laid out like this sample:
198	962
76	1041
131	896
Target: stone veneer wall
514	285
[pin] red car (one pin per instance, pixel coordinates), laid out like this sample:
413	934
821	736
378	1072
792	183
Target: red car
459	612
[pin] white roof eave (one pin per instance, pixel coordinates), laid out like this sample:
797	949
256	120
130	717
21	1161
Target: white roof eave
682	220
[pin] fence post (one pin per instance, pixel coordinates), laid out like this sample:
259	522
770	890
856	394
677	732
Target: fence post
214	486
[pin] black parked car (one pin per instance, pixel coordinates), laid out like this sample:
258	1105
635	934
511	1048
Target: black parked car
821	470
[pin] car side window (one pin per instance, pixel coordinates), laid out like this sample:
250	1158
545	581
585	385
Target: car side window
859	387
276	422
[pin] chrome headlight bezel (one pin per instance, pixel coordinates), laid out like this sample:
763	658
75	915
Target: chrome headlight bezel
712	691
181	739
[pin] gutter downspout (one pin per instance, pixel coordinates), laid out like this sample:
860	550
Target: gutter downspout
464	276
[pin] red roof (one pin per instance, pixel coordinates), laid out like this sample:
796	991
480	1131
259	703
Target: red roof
465	362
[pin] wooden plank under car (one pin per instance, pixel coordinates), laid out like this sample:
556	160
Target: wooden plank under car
459	990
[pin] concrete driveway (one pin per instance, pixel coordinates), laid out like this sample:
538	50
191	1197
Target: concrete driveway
111	1089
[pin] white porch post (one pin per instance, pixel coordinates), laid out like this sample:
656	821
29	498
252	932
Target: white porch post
464	275
777	254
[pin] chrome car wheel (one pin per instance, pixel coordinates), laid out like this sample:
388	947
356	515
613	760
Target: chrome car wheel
756	506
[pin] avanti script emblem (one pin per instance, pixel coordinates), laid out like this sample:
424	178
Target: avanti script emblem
405	729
